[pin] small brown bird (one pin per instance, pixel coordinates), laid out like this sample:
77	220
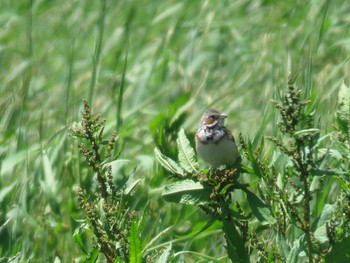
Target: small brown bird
214	142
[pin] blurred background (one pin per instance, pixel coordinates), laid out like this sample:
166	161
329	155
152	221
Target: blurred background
149	68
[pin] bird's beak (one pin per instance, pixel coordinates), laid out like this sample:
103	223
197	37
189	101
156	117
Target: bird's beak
223	116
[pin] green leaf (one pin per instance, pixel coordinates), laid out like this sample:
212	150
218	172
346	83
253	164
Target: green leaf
9	163
255	166
168	12
226	188
93	256
326	215
321	229
49	184
131	186
282	244
340	252
342	184
259	208
135	244
187	156
132	183
50	176
4	191
295	251
307	132
234	243
78	239
121	93
343	111
186	192
168	122
203	226
168	163
156	238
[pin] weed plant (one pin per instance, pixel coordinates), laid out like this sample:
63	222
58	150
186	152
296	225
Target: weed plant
294	217
151	68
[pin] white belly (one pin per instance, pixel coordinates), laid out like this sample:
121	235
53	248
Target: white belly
225	152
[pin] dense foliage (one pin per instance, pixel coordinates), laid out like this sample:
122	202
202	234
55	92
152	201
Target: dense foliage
75	187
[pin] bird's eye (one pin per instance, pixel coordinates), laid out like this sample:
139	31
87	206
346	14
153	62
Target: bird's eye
213	116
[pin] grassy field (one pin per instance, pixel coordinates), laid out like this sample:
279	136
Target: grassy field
141	65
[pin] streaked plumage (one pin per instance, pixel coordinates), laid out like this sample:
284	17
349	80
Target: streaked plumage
214	142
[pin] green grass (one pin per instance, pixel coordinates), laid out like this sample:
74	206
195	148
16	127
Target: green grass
134	61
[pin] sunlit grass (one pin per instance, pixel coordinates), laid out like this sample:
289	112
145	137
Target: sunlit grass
231	55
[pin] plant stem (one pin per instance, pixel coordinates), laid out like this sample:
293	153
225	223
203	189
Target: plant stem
306	225
302	166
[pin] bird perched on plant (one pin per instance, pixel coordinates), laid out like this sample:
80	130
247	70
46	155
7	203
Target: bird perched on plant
214	142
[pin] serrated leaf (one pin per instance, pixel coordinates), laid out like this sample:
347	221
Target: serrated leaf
187	155
343	111
259	208
168	163
135	244
186	192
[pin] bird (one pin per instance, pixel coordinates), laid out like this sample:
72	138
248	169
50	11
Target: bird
215	143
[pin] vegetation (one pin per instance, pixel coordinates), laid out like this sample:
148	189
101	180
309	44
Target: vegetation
99	104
